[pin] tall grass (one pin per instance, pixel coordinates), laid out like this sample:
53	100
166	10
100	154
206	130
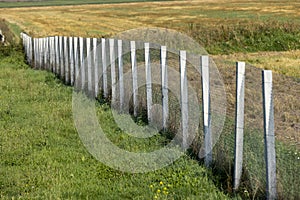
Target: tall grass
247	36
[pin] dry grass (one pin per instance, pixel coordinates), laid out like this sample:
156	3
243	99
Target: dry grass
286	63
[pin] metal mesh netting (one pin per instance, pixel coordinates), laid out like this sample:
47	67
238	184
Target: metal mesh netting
222	84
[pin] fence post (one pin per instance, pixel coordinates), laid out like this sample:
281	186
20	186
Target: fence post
56	41
204	60
52	56
35	52
104	68
239	123
61	58
82	63
113	70
96	66
89	65
134	78
46	53
40	53
76	60
184	98
30	54
164	83
148	82
269	134
66	58
121	81
71	56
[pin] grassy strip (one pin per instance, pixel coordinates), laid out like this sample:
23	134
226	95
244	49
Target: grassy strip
248	37
43	157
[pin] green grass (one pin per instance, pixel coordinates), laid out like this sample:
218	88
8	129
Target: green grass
42	156
247	36
64	2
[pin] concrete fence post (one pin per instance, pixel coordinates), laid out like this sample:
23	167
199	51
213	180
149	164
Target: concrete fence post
71	57
96	66
121	79
269	134
204	62
40	56
134	78
104	68
76	60
57	60
112	70
89	65
164	87
66	60
239	124
30	50
61	58
148	82
52	54
184	99
82	62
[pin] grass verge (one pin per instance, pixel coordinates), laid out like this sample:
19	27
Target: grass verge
41	155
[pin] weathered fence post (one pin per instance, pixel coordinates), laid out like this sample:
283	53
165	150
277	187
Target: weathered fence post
113	70
89	65
82	62
96	65
71	57
41	54
184	99
61	58
204	60
134	78
30	50
76	60
269	134
46	53
164	87
35	52
121	81
239	123
66	59
148	82
52	54
56	44
104	68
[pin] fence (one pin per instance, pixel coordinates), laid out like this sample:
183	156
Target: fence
89	64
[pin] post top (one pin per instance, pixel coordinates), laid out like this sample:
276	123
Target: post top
267	76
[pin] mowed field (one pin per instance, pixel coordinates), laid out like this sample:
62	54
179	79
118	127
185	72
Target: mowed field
200	19
99	20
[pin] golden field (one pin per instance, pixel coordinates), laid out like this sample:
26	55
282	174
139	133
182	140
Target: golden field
108	19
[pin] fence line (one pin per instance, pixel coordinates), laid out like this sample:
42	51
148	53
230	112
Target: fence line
65	56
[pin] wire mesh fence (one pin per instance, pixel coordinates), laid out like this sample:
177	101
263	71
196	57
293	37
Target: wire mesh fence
106	70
